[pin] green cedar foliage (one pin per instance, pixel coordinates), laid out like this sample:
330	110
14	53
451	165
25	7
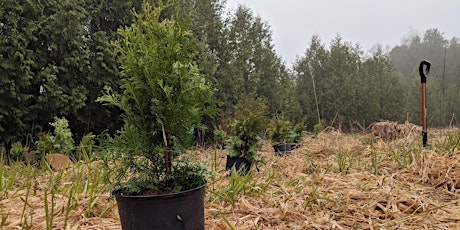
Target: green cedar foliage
104	18
309	70
56	57
249	124
249	65
17	27
60	141
44	58
341	88
61	56
383	93
163	101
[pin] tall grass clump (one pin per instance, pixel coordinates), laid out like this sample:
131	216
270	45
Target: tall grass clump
376	161
450	144
311	167
9	175
238	184
59	193
51	190
315	197
404	154
344	161
29	171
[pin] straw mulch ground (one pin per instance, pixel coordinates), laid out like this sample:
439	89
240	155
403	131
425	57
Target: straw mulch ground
309	190
390	130
333	181
31	205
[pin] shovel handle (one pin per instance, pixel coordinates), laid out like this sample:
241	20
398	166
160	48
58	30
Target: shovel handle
424	70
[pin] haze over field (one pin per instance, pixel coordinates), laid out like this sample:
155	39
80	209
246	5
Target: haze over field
293	22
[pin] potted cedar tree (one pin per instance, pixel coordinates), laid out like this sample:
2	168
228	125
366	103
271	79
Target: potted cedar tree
285	137
164	99
249	124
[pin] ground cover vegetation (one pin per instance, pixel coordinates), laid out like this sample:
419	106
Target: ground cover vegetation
333	180
58	57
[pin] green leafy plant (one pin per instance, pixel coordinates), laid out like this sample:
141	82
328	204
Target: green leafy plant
18	151
282	131
298	131
376	161
85	148
451	143
344	161
50	194
249	124
318	128
404	154
239	184
60	141
219	137
311	167
164	99
30	173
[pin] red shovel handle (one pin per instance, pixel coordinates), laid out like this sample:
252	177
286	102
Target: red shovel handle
424	69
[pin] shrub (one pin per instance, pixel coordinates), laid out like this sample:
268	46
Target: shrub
60	142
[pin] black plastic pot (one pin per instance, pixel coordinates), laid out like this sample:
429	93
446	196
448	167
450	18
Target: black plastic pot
295	145
182	210
240	164
285	148
282	148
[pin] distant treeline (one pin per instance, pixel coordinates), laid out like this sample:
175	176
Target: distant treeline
56	57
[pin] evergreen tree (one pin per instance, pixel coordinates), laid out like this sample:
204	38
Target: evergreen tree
104	19
248	65
17	28
385	93
340	87
60	61
234	75
308	70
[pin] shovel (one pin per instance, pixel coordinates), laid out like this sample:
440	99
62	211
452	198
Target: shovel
424	69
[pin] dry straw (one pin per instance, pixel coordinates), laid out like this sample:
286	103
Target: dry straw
391	184
389	130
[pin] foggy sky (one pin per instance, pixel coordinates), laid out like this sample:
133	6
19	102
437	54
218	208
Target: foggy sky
367	22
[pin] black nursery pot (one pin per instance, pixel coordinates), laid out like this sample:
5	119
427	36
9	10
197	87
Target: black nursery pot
282	148
182	210
241	164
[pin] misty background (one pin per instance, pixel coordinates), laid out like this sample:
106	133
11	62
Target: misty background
369	23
